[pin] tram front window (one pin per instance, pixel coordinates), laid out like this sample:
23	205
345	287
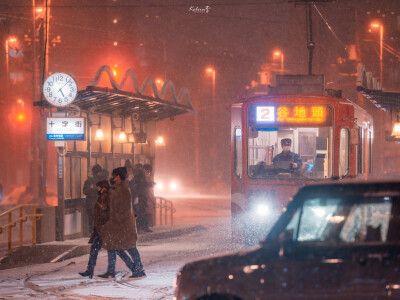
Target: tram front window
290	152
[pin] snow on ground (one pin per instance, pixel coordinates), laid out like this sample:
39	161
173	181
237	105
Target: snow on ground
161	258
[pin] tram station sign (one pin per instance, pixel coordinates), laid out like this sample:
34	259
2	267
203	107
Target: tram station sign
291	114
65	129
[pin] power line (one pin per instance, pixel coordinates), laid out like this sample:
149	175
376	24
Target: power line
200	5
330	28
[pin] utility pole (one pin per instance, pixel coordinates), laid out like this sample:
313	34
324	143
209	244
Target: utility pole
34	131
310	42
42	118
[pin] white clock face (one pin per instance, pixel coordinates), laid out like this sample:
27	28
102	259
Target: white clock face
60	89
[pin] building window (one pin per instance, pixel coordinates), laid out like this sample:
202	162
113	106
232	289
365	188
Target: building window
344	152
238	159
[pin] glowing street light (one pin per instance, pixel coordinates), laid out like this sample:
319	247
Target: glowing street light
278	54
379	26
212	72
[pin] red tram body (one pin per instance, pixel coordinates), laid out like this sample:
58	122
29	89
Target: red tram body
332	136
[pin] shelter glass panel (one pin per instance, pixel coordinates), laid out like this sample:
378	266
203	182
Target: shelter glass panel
344	152
67	177
106	126
75	179
84	170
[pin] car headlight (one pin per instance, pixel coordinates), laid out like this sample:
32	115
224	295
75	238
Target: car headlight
173	185
159	186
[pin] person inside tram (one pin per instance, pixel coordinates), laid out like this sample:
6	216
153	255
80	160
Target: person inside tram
287	159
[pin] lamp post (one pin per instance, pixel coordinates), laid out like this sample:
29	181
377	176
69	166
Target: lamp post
279	54
212	72
8	41
376	26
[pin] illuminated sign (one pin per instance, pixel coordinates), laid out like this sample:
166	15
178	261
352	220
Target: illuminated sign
301	114
66	129
291	115
265	114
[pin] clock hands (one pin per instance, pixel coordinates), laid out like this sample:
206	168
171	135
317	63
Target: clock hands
60	90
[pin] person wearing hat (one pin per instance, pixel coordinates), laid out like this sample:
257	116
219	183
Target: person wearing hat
101	216
287	155
119	233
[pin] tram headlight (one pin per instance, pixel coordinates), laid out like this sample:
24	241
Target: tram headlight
262	210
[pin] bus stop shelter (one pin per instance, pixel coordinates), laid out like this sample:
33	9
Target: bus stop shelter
119	126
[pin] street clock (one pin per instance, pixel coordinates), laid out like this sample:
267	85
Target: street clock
60	89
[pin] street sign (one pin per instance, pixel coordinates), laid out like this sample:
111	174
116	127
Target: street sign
65	129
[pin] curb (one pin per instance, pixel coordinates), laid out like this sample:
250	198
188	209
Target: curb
32	255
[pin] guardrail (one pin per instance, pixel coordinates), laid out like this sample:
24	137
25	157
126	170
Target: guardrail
165	208
22	218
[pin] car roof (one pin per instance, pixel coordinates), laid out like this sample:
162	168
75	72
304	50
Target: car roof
352	187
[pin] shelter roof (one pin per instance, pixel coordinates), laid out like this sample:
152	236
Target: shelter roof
383	100
117	102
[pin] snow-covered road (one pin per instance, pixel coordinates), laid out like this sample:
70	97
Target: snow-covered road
162	260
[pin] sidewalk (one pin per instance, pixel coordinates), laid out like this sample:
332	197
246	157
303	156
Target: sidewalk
59	251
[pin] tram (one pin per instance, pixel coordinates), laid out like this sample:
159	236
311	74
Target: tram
331	135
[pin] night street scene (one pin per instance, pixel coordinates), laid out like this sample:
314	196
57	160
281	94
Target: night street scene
200	150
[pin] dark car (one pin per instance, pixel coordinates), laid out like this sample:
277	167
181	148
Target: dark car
334	241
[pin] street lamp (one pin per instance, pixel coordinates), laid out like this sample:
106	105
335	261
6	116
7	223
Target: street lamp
8	41
212	72
375	26
279	54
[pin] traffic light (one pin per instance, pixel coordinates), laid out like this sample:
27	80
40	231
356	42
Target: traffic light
18	116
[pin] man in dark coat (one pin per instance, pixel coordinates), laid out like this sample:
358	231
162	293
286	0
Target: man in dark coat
101	216
119	233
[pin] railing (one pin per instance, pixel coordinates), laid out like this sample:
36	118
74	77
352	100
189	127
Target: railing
22	218
166	208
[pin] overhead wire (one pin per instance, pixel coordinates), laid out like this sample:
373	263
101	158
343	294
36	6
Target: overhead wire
230	3
330	28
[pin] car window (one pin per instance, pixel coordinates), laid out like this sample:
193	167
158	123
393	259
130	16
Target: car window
341	220
367	222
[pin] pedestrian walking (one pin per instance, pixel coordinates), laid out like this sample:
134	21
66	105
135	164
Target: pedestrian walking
90	190
101	216
119	233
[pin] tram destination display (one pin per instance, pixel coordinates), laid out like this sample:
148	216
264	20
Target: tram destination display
290	115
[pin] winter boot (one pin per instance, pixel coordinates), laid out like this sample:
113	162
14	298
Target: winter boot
86	274
107	275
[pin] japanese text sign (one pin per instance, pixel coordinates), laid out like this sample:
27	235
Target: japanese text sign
291	115
66	129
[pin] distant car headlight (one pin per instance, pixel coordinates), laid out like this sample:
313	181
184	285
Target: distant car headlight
159	186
